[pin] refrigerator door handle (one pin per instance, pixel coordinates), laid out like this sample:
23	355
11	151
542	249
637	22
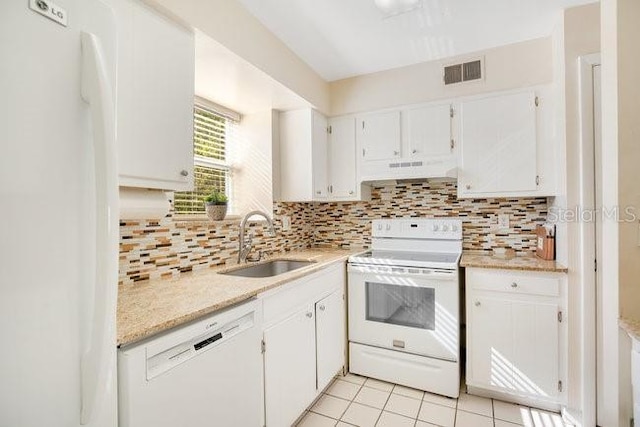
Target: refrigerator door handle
98	358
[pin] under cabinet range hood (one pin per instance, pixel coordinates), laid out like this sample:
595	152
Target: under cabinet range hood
400	169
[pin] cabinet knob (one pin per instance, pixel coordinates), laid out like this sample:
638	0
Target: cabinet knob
395	153
321	307
318	192
514	285
468	186
309	315
477	303
414	151
184	172
351	192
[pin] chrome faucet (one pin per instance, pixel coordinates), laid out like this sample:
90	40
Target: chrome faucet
245	245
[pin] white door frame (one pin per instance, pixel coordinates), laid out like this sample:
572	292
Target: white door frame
587	232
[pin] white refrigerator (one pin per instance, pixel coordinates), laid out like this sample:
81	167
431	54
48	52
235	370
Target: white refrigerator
58	214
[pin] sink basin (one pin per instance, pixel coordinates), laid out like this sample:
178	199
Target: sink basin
269	269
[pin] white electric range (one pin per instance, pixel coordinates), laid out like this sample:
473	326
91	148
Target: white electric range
404	305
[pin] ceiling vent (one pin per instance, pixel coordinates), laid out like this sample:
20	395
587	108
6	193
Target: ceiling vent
464	72
452	74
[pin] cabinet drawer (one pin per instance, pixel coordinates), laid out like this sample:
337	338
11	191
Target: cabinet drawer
512	282
280	303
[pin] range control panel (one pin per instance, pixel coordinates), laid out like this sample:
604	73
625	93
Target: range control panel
418	228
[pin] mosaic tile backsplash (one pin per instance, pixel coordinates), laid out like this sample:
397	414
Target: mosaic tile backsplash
166	248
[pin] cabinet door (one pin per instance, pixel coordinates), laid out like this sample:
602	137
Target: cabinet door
498	136
490	342
330	337
342	158
319	157
379	136
429	131
155	99
289	368
535	348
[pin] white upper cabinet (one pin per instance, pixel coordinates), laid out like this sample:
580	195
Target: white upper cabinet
407	143
379	136
319	165
316	165
342	163
303	158
499	145
429	131
156	64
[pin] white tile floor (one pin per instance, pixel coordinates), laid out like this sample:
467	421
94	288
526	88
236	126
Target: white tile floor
358	401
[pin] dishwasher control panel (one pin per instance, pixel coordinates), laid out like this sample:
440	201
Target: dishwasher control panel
162	360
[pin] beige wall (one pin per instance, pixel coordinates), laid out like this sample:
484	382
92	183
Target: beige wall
229	23
507	67
628	132
629	152
580	36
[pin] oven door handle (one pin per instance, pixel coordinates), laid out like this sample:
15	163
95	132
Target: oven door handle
423	273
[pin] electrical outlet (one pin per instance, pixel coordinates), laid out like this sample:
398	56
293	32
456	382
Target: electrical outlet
503	222
286	223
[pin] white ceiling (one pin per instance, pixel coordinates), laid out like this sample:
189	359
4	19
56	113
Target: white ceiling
343	38
225	78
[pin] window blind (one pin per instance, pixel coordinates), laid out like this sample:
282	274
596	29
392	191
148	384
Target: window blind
211	134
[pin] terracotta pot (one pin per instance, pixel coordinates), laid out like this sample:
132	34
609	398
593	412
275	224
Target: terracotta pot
216	212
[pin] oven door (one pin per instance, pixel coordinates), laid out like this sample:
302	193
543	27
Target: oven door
413	310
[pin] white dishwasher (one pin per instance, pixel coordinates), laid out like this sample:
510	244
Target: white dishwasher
207	373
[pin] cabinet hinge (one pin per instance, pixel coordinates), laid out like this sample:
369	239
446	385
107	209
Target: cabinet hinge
452	143
263	346
363	152
451	112
363	125
560	316
537	179
595	265
537	101
329	130
560	386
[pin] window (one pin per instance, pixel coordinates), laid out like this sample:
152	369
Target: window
212	131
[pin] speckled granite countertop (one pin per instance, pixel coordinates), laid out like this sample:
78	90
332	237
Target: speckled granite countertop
523	263
146	308
631	327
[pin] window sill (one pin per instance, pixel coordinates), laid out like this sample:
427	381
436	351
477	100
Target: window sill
205	219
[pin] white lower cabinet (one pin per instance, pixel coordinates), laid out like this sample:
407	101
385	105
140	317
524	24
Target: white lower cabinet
515	334
289	375
330	337
304	342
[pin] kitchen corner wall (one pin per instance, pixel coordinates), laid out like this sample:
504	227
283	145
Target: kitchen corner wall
167	248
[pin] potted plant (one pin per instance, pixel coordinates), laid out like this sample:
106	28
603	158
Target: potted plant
216	205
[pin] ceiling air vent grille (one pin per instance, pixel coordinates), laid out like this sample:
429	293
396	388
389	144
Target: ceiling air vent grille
472	70
452	74
464	72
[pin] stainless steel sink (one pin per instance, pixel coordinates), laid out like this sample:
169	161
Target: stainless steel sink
269	269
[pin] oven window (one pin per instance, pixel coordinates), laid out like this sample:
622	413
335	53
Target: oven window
401	305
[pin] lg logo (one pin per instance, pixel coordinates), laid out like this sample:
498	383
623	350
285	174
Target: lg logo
50	10
42	5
